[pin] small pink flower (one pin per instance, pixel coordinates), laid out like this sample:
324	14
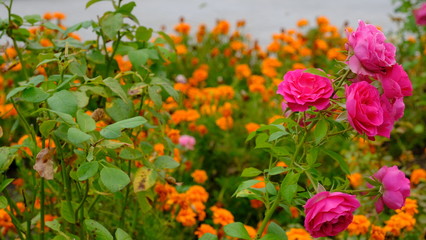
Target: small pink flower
395	82
302	90
328	214
371	54
365	113
420	15
395	188
187	142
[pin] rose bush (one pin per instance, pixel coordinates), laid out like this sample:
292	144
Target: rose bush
420	15
328	214
302	90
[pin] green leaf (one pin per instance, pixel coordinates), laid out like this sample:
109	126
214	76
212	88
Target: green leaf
64	102
155	96
115	86
316	72
31	19
111	24
78	67
14	91
168	39
54	225
250	172
46	127
34	95
5	182
6	158
114	130
237	230
76	136
276	135
143	34
165	162
277	230
3	202
271	236
114	179
139	58
127	8
97	230
261	141
64	116
85	122
246	184
53	26
87	170
320	130
119	110
270	188
277	170
208	236
289	187
66	212
342	163
91	2
145	178
130	154
120	234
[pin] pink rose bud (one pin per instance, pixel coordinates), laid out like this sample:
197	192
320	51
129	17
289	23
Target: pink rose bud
420	15
395	82
302	90
187	142
395	188
365	113
370	53
328	214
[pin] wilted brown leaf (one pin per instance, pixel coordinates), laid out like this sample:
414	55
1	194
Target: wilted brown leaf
44	163
144	179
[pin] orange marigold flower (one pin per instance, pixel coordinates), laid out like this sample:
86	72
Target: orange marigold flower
294	212
19	182
355	179
254	203
225	123
45	42
377	233
183	28
203	229
222	27
335	53
237	45
251	231
298	234
159	148
124	63
298	66
274	46
302	22
273	118
398	222
222	216
410	207
199	176
10	53
321	44
181	49
322	20
59	15
202	129
174	135
164	191
187	217
260	184
242	71
48	16
360	225
197	193
251	127
418	175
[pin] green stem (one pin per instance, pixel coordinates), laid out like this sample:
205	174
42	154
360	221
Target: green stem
80	206
268	215
126	198
342	80
42	208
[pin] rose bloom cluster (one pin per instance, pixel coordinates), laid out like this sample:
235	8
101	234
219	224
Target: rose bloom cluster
371	112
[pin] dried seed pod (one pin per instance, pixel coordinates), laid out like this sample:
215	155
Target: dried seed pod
98	114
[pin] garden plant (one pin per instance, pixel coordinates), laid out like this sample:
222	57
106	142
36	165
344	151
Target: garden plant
205	134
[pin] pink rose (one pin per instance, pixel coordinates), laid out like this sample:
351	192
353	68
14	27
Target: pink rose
187	142
395	82
371	54
395	188
328	214
420	15
365	113
393	109
302	90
